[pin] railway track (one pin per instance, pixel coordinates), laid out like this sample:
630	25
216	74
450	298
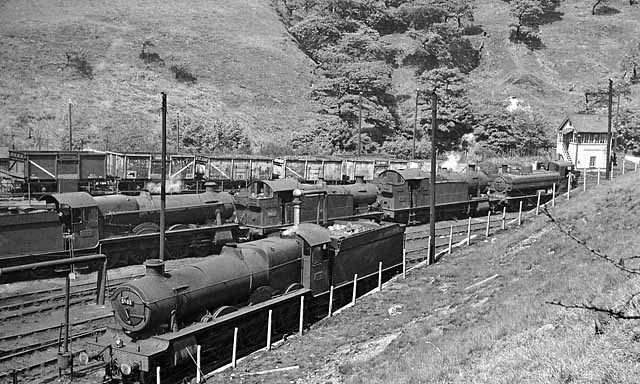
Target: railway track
20	309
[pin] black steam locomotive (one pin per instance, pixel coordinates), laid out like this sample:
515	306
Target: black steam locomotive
162	317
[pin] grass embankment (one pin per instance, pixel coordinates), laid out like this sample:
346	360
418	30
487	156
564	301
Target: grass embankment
457	322
247	67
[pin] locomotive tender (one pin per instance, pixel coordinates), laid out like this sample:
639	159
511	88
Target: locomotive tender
163	316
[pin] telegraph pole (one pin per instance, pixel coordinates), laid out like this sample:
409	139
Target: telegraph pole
178	127
608	169
70	130
415	125
432	208
163	176
360	124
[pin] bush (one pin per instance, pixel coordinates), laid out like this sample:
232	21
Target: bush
78	61
150	57
183	74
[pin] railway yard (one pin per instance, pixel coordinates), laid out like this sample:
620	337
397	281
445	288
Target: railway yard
32	312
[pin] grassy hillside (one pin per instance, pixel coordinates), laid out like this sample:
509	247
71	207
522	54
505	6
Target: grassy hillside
578	51
248	70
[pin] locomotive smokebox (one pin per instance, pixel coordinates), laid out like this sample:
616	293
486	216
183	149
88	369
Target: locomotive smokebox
154	267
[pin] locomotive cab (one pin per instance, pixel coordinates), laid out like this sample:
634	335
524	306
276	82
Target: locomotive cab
78	215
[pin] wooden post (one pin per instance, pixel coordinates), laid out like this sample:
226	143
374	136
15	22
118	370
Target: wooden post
269	330
355	286
450	239
584	180
404	263
520	214
553	195
504	218
380	276
488	224
330	301
235	347
469	231
538	204
301	325
568	186
157	375
598	176
198	350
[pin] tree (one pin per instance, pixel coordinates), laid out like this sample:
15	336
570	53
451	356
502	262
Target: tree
598	2
215	136
527	13
628	127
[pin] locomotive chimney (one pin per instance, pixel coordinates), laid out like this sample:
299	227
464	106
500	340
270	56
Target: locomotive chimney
471	167
154	267
505	168
296	207
359	179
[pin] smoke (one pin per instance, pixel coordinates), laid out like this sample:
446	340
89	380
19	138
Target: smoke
171	186
453	162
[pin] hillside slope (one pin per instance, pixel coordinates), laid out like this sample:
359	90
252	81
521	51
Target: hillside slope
578	51
248	69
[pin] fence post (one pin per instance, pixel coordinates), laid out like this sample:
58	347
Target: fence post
450	239
269	330
404	263
598	176
568	186
157	375
380	276
469	232
623	161
198	350
520	214
488	224
355	286
504	218
538	204
301	315
429	245
584	180
330	301
636	168
235	347
553	196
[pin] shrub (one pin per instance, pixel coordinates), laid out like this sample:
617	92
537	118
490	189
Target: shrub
183	74
78	61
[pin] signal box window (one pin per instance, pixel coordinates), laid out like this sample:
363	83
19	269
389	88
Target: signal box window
592	162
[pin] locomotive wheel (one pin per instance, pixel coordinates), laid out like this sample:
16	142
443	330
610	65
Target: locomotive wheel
224	310
261	294
293	287
146	227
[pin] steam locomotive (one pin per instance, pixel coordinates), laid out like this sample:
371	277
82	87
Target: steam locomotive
162	317
120	226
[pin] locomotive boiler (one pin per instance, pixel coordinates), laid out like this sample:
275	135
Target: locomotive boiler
241	274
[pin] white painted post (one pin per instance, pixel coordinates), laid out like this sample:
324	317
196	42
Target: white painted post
568	186
269	330
429	245
520	214
301	315
235	347
355	286
450	240
553	196
636	167
404	263
504	218
598	176
157	375
380	276
469	231
330	301
198	350
584	180
538	203
486	234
